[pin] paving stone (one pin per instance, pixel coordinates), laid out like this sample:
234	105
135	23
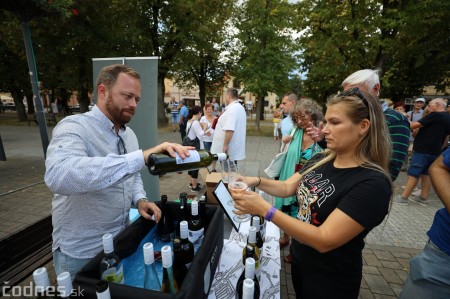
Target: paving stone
365	294
371	270
397	288
378	296
390	275
372	260
377	284
402	274
404	262
392	265
364	284
401	255
384	255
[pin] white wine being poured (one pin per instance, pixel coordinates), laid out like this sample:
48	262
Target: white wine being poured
159	164
238	185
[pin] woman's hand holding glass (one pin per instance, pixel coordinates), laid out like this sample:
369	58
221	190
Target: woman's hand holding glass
238	184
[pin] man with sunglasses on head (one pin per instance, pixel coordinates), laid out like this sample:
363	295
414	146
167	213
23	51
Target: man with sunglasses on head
92	167
368	81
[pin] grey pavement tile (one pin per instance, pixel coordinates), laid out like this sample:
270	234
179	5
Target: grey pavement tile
397	288
371	260
391	265
390	275
283	293
290	287
403	274
365	294
283	278
377	284
371	270
364	284
401	254
379	296
404	263
384	255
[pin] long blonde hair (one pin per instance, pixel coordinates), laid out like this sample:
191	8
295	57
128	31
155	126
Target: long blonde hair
374	149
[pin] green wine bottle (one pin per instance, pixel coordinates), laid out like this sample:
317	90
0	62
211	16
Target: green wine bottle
159	164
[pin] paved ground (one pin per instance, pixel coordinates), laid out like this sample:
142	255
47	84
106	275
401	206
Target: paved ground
24	199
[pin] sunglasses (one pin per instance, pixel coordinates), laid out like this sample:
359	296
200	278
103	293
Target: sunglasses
354	92
121	146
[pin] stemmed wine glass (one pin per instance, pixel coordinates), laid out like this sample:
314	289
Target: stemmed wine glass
229	170
238	183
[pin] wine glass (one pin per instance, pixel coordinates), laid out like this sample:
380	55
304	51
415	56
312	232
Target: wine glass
238	183
229	170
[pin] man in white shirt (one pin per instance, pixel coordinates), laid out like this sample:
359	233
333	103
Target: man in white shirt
231	128
287	104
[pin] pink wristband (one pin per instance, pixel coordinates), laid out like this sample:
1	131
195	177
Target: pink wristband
270	214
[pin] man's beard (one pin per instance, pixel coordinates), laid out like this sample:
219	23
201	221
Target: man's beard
116	113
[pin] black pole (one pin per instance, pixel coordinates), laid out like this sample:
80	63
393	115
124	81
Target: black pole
40	116
2	150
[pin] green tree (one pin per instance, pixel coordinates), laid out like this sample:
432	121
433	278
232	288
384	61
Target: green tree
199	62
267	51
340	37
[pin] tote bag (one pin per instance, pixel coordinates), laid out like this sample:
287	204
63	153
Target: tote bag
274	168
191	142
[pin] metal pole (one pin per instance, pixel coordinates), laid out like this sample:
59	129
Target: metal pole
2	150
40	116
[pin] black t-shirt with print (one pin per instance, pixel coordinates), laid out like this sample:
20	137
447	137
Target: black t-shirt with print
361	193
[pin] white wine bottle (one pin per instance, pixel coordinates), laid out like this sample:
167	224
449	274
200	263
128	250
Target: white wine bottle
102	289
169	284
259	238
151	280
111	268
196	228
249	273
159	164
42	283
65	287
254	250
248	290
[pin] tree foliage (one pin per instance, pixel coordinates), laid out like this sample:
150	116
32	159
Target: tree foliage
266	52
396	37
200	62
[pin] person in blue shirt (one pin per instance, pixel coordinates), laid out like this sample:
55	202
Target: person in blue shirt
429	275
184	112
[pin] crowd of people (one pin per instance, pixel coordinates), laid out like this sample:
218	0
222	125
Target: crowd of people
335	186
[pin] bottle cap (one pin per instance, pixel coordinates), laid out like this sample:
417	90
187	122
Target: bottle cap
250	267
149	257
194	208
64	284
256	222
41	280
108	245
261	193
203	198
166	254
102	289
248	288
221	156
252	234
184	231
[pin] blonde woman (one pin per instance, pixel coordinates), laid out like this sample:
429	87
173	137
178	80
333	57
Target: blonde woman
342	194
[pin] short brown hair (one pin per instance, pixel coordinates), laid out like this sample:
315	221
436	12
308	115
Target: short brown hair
108	75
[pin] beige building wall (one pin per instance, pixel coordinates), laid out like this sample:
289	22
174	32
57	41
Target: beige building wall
172	90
